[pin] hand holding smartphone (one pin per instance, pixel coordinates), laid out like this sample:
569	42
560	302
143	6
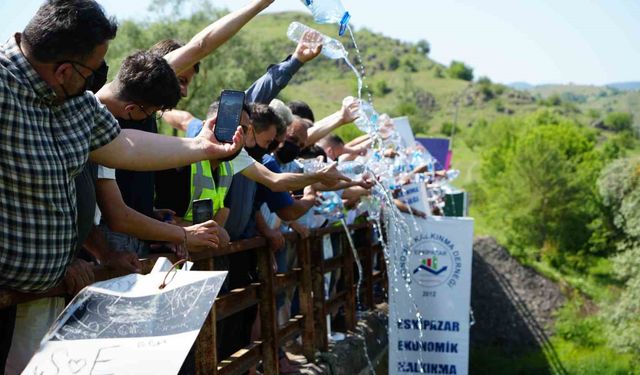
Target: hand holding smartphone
229	114
202	210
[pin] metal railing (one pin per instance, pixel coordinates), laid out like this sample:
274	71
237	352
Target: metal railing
310	324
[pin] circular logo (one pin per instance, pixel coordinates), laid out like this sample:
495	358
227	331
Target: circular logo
430	264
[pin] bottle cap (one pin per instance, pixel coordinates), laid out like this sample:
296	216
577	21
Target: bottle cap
344	22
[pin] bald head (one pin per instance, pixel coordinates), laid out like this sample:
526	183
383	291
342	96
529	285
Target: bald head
297	132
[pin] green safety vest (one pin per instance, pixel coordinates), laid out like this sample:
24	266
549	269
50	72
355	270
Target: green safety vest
203	184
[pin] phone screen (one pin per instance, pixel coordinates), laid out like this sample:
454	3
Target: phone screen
229	113
202	210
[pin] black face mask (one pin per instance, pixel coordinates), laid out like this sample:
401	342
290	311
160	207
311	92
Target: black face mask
273	146
99	78
256	152
89	81
288	152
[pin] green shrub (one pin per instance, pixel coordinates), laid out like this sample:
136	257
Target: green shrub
619	121
458	70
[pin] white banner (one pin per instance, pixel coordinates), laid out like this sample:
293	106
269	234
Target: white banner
430	295
403	127
128	325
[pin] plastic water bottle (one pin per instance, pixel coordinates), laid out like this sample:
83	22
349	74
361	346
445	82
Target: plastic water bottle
329	11
330	206
331	48
310	166
367	118
352	169
452	174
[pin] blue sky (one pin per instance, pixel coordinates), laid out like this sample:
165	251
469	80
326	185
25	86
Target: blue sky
537	41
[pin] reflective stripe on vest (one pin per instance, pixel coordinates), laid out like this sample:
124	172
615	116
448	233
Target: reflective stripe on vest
203	185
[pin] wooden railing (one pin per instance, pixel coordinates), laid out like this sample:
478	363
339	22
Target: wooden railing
308	277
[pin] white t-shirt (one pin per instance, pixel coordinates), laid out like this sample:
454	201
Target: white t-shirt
242	161
104	173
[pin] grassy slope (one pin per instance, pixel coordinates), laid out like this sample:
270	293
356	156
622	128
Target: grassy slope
323	84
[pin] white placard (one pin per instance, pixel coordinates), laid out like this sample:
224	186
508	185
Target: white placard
414	195
128	325
430	295
403	127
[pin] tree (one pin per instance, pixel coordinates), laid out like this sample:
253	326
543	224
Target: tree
423	46
539	172
619	185
381	88
459	70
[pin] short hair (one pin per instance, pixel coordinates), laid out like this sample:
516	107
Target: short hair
302	109
282	111
165	46
263	117
68	30
146	78
333	140
213	108
305	121
313	152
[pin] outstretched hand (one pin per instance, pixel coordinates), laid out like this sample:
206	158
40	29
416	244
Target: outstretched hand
349	110
214	148
330	175
309	46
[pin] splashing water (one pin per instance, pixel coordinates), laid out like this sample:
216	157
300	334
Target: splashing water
359	77
362	76
358	286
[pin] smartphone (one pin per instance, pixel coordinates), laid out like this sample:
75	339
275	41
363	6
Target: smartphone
229	113
202	210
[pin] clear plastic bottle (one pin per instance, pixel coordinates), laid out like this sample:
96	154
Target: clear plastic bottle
331	48
367	118
352	169
329	11
330	206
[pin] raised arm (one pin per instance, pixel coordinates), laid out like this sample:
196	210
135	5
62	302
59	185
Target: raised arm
178	119
348	113
213	36
277	77
142	151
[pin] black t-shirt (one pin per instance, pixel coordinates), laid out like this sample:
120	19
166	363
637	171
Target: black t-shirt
86	200
137	187
173	189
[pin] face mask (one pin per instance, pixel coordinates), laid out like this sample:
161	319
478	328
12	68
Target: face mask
99	78
89	81
273	146
256	152
288	152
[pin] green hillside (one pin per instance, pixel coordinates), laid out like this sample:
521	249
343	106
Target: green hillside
539	165
401	78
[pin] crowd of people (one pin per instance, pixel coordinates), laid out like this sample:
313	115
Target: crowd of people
86	178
